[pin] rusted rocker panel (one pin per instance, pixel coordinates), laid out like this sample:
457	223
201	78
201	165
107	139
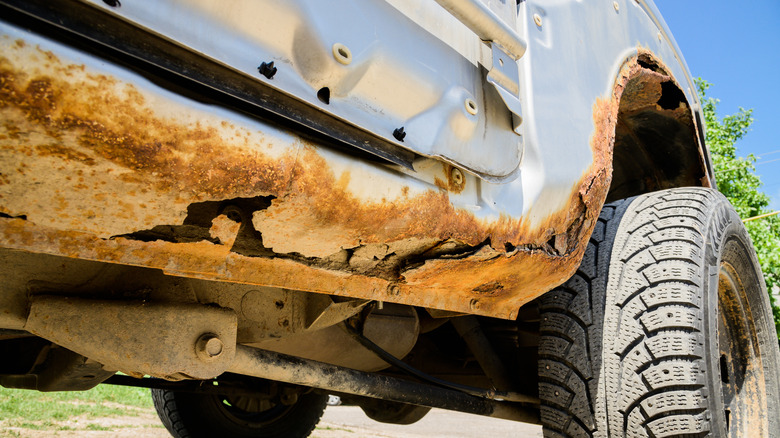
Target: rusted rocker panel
99	163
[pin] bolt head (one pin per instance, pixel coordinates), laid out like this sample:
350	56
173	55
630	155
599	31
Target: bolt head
456	176
209	347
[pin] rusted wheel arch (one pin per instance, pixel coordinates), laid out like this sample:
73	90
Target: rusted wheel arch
658	138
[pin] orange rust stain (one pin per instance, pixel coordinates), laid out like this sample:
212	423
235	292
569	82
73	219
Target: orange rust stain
681	114
215	262
194	160
120	128
453	184
58	150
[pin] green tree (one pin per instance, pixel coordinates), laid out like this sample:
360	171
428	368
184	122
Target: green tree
736	178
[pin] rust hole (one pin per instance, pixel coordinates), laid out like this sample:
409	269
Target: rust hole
648	63
671	96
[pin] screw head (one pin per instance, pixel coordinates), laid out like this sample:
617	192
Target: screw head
538	20
456	176
209	347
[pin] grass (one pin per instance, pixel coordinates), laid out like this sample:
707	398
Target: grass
43	410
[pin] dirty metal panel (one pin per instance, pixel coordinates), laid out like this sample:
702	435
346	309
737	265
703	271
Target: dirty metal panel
364	62
99	163
139	338
572	77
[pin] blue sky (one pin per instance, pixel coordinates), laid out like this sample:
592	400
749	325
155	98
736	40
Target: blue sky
734	45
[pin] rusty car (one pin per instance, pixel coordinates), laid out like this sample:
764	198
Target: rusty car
499	207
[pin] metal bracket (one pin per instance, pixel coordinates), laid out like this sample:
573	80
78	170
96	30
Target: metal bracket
505	77
506	45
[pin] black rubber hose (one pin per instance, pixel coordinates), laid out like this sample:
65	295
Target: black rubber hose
490	394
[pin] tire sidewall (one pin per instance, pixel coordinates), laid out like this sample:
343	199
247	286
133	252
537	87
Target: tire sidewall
725	229
721	227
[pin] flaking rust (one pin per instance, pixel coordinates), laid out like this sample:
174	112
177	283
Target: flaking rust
91	170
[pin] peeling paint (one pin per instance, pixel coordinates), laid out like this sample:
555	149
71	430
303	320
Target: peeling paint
99	174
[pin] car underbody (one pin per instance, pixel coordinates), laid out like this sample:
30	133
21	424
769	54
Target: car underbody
263	211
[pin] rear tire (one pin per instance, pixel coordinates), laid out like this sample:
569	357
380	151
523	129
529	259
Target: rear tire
193	415
665	329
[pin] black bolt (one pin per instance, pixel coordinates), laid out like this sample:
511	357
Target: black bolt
112	3
399	134
267	69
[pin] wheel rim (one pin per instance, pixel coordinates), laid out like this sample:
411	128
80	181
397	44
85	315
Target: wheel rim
251	411
740	366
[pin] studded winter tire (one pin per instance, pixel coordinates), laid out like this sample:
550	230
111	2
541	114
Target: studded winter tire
196	415
665	330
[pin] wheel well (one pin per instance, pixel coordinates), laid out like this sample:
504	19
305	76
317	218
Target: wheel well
657	144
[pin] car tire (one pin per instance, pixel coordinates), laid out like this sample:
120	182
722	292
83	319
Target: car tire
665	329
193	415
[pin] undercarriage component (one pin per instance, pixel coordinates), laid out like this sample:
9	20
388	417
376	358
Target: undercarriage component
34	363
157	339
491	394
468	328
282	368
392	412
393	327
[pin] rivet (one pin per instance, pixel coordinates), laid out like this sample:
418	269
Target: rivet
342	53
399	134
471	106
616	6
457	176
538	20
660	38
394	290
267	69
474	304
209	346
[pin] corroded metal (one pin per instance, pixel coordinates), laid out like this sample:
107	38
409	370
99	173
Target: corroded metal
97	167
282	368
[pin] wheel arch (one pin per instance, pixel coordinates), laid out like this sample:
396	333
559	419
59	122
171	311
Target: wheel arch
659	137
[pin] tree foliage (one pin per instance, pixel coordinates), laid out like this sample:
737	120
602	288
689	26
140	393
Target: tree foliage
736	178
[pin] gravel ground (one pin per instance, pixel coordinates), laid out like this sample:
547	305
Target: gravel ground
338	422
